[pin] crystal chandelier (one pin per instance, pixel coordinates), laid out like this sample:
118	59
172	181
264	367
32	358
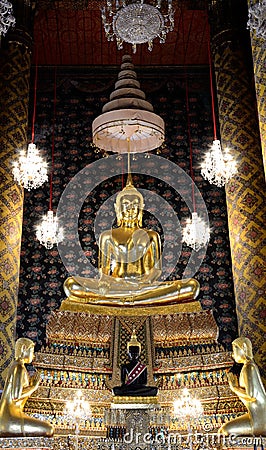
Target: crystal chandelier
257	19
137	22
187	406
6	18
30	170
75	411
196	233
218	167
48	232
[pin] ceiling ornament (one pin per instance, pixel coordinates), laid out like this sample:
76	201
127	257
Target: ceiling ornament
30	169
7	19
257	18
48	231
217	167
137	21
128	117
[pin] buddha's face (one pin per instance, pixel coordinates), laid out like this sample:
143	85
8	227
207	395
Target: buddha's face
24	349
133	352
239	354
130	207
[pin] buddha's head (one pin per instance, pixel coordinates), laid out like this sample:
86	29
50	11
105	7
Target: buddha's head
133	346
242	349
129	205
24	349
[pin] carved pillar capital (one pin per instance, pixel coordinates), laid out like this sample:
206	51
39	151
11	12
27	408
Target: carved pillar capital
228	23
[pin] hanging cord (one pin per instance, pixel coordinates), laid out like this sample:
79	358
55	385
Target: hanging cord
34	101
122	178
190	148
53	139
129	176
188	120
211	85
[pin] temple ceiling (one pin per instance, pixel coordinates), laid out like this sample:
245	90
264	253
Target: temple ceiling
70	33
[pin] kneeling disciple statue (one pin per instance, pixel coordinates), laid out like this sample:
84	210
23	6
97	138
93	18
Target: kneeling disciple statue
134	374
129	265
19	386
251	392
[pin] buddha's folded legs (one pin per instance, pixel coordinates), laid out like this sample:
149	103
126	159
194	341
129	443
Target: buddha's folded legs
124	292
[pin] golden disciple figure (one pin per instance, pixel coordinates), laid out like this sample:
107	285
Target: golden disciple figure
19	386
129	263
251	392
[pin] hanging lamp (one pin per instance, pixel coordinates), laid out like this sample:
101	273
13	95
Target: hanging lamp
218	167
48	231
30	170
137	21
7	19
196	233
257	18
128	116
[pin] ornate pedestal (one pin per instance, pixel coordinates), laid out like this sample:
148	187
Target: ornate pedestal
29	443
85	351
87	443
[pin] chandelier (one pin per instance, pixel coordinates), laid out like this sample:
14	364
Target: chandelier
30	170
187	407
75	411
196	233
137	22
218	167
48	232
257	19
6	18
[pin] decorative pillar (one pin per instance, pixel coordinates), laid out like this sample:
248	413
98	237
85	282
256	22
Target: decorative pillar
15	60
259	58
245	193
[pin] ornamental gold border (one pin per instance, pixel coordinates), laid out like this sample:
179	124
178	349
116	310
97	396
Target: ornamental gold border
73	306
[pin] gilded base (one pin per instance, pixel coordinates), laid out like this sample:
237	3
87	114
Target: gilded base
125	402
131	310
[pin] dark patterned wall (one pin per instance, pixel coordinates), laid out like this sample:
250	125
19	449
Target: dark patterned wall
80	97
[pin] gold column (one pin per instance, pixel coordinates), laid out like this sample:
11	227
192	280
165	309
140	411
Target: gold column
259	58
14	91
245	193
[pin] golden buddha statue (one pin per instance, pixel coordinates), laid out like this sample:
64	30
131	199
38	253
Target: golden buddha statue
19	386
129	264
251	392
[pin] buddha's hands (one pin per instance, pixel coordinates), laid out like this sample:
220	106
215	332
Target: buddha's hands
232	380
104	287
35	379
